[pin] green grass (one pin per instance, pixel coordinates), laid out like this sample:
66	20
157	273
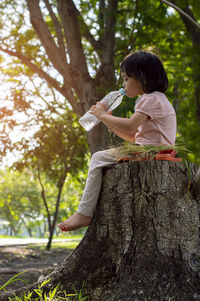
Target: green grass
69	235
55	245
7	236
66	245
56	294
128	148
75	240
11	280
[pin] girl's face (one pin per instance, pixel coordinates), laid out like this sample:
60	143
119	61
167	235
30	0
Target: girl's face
131	86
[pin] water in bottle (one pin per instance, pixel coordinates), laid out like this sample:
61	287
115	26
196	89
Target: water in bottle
112	100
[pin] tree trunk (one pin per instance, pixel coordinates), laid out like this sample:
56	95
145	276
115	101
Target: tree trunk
64	49
29	229
98	134
143	241
57	205
73	67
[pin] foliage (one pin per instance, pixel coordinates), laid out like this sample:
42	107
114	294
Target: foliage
39	295
11	280
138	25
20	203
60	147
149	151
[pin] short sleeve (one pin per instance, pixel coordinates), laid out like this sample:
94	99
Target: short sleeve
150	105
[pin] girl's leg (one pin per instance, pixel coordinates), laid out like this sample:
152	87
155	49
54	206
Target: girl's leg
94	179
91	192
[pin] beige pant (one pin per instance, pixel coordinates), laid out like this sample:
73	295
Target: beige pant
94	179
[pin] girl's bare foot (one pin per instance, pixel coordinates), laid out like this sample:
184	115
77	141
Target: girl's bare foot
75	222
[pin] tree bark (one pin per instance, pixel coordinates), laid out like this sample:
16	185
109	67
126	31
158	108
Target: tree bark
77	81
57	205
28	228
143	241
196	185
52	222
65	52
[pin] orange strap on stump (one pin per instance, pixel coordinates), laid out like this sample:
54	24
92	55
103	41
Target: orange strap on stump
163	155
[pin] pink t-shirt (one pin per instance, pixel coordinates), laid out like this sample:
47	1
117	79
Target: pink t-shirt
160	127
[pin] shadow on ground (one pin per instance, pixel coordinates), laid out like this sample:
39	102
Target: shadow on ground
34	262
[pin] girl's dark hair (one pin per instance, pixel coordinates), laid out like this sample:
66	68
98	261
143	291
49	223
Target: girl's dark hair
147	69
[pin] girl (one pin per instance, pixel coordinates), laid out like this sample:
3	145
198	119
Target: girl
153	123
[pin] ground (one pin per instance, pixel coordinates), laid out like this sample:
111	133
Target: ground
34	260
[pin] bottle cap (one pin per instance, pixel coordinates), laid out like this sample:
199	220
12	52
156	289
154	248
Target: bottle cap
122	90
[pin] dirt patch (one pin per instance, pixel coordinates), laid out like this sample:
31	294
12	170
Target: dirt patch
34	262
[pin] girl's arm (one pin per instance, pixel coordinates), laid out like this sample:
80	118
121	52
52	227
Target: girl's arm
122	124
128	136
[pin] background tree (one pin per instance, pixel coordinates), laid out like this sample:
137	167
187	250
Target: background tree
59	149
62	37
21	208
20	203
51	143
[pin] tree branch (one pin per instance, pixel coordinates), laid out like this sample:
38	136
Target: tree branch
132	39
106	69
58	30
182	13
44	199
69	18
65	90
101	18
51	81
109	35
97	45
84	30
48	42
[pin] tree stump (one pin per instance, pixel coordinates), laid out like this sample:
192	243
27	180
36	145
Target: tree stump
143	243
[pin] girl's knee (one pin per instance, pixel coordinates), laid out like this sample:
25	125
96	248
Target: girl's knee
99	160
102	157
97	155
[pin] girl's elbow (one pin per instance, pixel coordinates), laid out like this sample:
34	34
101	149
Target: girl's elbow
133	132
131	126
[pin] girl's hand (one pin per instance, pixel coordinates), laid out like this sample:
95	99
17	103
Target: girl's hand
99	110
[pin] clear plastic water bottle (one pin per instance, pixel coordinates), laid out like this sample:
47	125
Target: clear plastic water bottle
112	100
